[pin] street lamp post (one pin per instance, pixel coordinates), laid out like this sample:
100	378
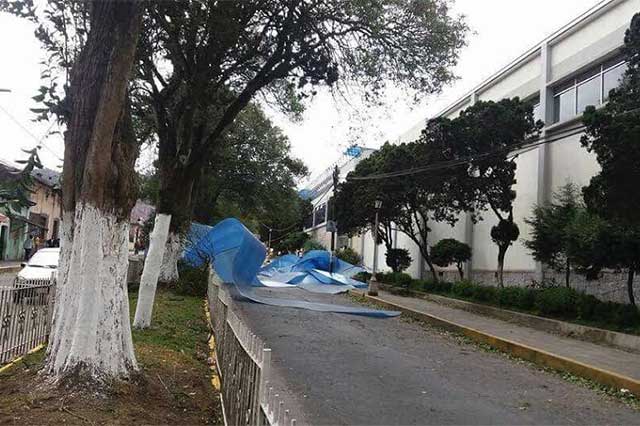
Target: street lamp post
373	283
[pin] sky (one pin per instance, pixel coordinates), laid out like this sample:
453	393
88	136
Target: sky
501	31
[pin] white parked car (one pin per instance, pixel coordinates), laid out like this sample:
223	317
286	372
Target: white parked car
42	265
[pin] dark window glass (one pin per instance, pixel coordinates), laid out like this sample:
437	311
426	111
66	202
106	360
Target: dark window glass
588	74
319	216
564	106
588	93
308	222
612	79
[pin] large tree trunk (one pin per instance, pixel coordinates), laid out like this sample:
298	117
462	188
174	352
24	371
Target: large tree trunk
502	251
632	298
567	273
151	271
91	336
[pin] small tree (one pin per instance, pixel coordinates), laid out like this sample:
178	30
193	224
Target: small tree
398	259
451	252
549	227
595	244
612	133
490	132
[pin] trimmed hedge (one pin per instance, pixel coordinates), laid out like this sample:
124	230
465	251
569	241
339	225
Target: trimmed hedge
557	302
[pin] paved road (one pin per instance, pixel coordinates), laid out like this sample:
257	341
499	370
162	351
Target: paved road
342	369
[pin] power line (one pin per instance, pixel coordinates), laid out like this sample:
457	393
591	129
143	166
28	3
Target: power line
511	152
39	141
450	164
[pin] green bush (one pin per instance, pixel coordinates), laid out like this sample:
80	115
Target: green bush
464	289
403	280
556	301
349	255
192	281
394	278
362	276
484	294
437	287
586	306
516	297
626	316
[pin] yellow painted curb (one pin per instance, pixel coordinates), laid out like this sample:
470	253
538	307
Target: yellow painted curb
215	378
537	356
17	360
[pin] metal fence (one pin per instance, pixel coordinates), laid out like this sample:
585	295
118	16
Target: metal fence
26	308
243	364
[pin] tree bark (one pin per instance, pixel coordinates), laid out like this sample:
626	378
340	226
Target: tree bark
172	251
91	336
567	274
502	251
460	271
632	298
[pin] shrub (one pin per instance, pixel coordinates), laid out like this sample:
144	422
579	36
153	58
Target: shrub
349	255
463	289
398	259
192	281
626	316
312	245
516	297
403	280
586	306
485	294
560	301
437	286
362	276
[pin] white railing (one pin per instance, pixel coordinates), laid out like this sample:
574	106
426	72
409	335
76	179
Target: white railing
243	363
26	308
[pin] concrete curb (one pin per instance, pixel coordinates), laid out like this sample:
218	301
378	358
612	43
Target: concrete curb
627	342
17	360
10	269
537	356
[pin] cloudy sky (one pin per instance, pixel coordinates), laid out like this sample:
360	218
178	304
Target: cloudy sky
502	30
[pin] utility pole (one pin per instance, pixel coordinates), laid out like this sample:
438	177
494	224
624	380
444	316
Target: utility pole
333	225
373	283
269	243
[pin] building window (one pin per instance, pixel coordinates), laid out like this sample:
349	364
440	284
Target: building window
320	215
590	88
308	221
612	79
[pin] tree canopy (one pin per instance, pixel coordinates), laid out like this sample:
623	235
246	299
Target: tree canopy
612	134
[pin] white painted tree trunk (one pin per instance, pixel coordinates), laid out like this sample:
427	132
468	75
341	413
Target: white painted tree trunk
91	333
172	251
151	271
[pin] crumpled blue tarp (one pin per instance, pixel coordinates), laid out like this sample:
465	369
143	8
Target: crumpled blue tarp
316	271
237	256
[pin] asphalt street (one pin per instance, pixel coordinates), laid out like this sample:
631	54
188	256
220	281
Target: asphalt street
345	369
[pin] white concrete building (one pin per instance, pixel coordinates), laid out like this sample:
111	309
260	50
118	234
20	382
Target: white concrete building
576	66
320	189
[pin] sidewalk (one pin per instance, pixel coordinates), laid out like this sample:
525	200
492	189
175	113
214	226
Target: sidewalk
610	366
9	266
